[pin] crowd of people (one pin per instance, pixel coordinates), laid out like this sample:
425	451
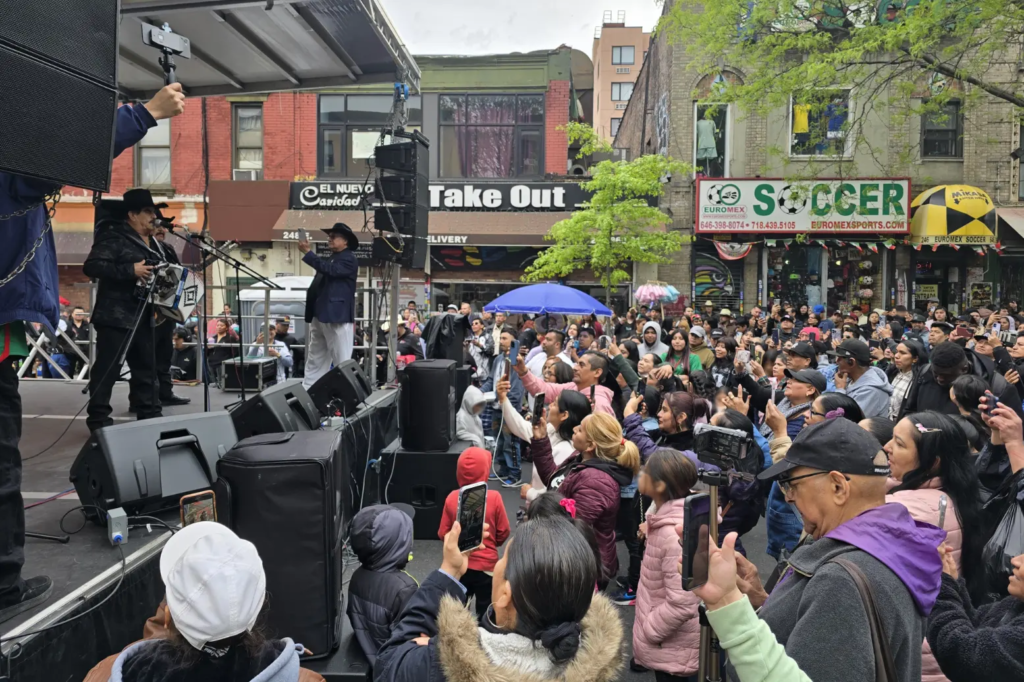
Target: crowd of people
888	474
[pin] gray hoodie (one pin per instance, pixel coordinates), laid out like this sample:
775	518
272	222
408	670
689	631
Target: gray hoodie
285	668
659	348
468	425
872	392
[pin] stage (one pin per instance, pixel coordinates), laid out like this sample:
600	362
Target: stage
85	569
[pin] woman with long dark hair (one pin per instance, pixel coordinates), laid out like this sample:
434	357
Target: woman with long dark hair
832	405
966	393
679	356
725	355
545	617
930	461
907	361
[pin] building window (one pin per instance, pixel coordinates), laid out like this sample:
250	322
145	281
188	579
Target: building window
623	55
349	130
492	136
616	122
621	92
153	157
942	133
249	142
711	140
819	125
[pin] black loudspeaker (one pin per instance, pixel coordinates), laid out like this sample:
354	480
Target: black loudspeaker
282	492
405	190
283	407
148	465
423	480
58	76
463	380
426	405
345	386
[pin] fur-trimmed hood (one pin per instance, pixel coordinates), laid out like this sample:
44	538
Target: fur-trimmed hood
463	659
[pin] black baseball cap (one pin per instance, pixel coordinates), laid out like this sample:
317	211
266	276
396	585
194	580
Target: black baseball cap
588	331
944	325
918	317
853	348
802	349
786	317
809	376
717	333
833	445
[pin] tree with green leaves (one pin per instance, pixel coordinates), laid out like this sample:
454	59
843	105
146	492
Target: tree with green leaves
618	226
901	57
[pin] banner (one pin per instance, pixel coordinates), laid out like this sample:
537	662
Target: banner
865	206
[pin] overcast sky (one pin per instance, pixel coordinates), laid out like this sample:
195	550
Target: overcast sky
499	26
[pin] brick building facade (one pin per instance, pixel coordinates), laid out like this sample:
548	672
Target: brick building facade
662	118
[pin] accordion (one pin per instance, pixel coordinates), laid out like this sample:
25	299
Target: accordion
177	292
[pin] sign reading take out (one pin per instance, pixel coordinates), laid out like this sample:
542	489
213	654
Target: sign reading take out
857	206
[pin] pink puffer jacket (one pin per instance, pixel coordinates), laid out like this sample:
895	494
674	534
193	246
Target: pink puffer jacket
923	505
666	633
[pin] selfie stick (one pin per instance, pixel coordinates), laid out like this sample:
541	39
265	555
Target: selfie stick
710	658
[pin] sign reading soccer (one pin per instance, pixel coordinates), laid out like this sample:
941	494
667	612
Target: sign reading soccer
869	206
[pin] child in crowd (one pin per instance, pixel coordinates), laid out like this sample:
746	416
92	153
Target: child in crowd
468	426
381	537
666	632
474	466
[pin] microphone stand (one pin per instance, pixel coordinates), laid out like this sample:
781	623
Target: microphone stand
211	254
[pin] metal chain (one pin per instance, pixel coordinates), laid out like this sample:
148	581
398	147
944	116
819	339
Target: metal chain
50	212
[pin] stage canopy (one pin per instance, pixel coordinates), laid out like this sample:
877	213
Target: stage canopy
242	46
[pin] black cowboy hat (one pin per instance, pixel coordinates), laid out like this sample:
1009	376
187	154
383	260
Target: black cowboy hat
345	231
138	200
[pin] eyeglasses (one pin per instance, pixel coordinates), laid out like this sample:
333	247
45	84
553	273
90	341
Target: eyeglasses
787	483
823	415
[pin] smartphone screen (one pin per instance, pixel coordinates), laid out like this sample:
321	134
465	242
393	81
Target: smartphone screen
199	506
775	336
696	532
641	387
302	235
472	507
837	334
538	408
873	343
743	356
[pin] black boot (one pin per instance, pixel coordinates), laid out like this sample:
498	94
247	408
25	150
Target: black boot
37	590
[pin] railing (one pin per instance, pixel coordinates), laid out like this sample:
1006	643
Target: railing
40	350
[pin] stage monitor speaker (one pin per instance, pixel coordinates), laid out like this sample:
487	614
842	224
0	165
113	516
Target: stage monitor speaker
426	405
54	53
422	480
463	380
148	465
282	492
282	408
346	386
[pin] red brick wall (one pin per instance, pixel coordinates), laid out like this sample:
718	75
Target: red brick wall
556	111
70	275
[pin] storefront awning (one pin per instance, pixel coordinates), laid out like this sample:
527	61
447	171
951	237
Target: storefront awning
1014	217
958	215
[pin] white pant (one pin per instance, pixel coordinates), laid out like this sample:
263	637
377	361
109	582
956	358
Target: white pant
328	344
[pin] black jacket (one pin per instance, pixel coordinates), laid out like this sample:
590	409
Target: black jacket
331	297
926	394
409	344
382	539
184	360
971	644
115	252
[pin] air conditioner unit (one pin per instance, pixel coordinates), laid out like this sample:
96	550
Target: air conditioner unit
246	174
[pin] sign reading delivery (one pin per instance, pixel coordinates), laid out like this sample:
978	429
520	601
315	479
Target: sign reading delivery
870	206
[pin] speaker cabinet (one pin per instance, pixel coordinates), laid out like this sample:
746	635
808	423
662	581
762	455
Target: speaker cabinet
422	480
58	76
148	465
341	390
284	407
426	405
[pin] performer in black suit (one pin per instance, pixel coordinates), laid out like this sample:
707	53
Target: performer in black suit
122	259
330	303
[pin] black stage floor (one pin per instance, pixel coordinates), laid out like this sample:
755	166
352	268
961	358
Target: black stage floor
48	408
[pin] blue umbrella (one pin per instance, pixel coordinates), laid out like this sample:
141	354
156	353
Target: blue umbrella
542	299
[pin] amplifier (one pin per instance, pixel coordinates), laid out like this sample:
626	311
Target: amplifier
258	373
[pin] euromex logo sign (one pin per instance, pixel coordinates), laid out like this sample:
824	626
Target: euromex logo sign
864	205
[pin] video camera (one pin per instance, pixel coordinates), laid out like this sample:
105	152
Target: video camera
727	449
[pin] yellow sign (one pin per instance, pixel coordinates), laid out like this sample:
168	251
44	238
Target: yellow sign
953	214
927	291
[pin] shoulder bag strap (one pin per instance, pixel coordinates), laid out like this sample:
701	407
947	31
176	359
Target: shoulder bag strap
885	666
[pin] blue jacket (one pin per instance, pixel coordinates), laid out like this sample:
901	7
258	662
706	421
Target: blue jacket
33	296
332	296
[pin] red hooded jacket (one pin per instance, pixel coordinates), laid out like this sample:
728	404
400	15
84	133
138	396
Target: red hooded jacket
474	467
